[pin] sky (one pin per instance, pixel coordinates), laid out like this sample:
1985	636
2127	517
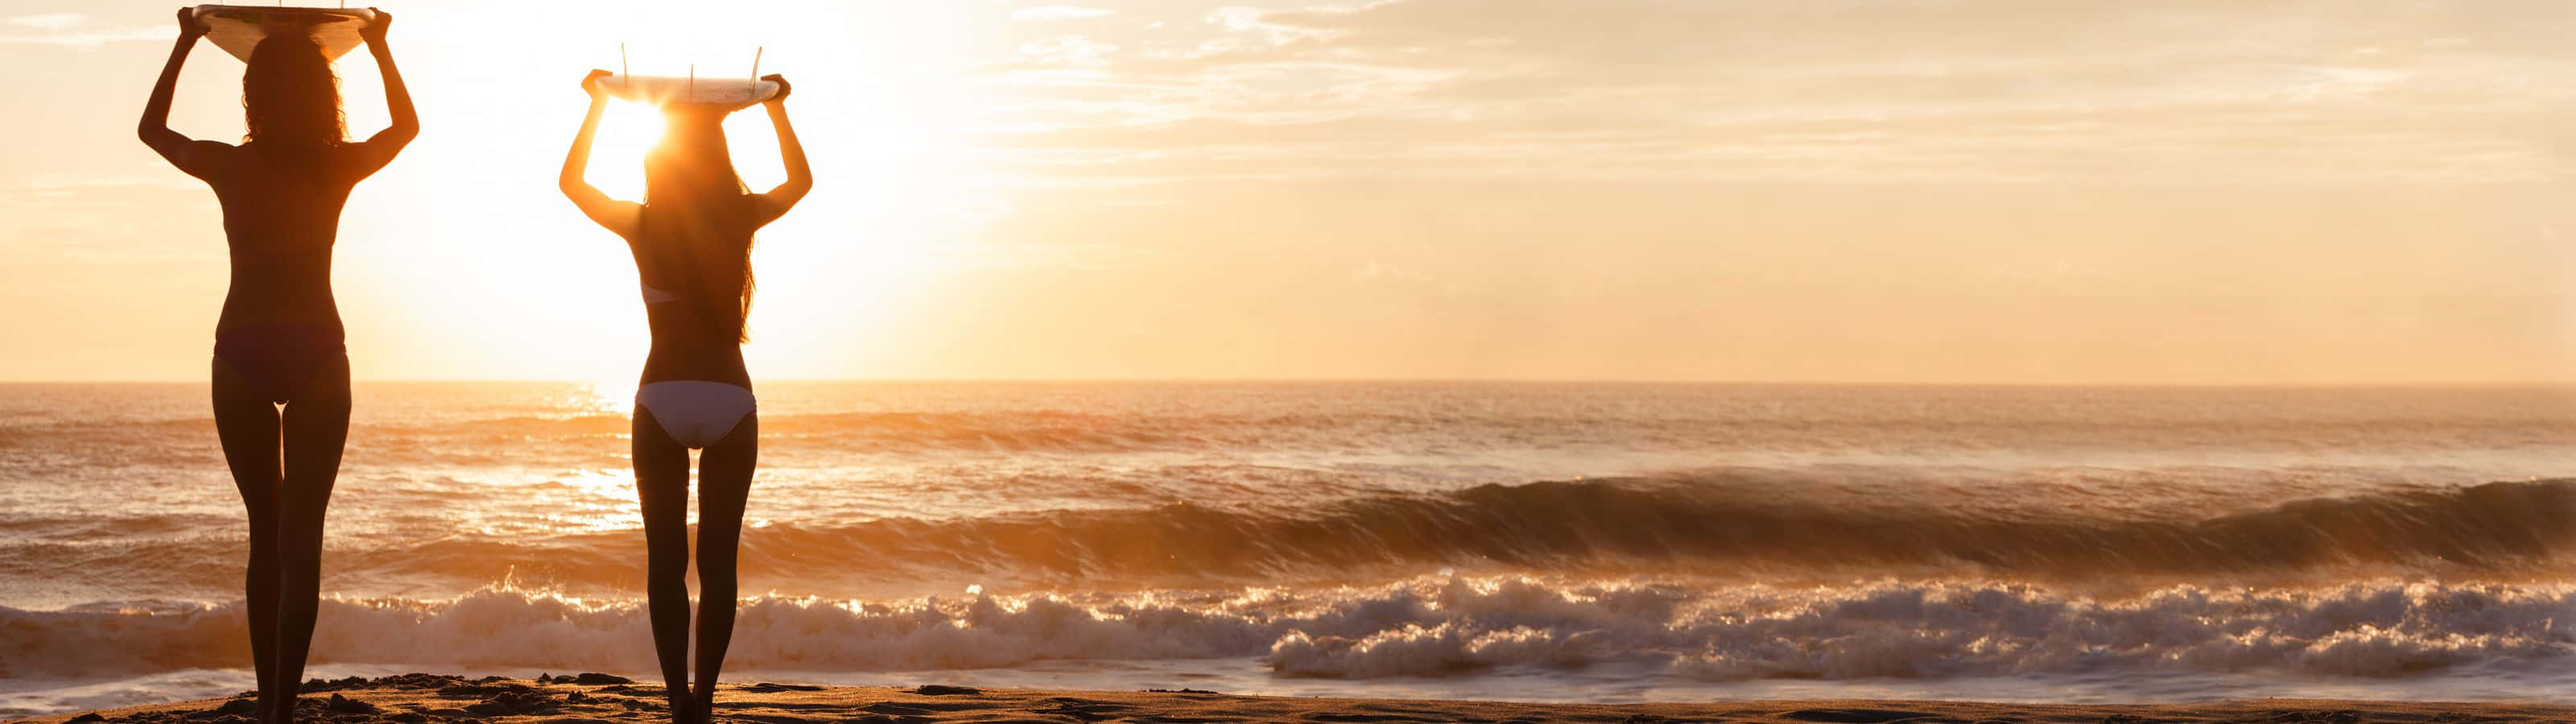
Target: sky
1878	191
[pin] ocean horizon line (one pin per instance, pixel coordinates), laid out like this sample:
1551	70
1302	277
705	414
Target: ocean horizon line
1676	382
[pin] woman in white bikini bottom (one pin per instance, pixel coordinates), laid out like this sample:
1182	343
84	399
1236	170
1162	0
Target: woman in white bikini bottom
691	238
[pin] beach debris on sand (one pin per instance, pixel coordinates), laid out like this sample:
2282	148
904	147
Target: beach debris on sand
946	690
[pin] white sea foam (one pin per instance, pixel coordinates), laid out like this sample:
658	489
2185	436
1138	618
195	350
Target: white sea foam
1431	626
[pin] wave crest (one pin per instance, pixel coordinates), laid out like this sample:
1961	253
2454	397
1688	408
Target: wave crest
1425	626
2496	531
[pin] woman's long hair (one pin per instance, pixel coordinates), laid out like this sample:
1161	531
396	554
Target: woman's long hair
290	97
694	239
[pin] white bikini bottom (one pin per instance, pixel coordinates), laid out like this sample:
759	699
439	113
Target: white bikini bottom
696	413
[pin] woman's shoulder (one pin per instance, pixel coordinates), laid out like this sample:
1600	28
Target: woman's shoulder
296	153
336	159
332	149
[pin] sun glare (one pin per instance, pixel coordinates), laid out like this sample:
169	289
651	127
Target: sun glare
537	291
615	396
626	132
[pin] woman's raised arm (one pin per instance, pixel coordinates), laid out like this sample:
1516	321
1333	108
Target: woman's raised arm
800	175
197	158
618	216
381	148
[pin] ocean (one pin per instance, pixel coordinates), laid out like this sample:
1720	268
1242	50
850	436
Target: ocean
1516	541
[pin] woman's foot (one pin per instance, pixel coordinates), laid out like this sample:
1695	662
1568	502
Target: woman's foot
684	709
706	713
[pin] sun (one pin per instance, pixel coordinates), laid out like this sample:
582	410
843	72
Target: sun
627	131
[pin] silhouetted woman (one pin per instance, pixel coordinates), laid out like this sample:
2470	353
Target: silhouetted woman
279	340
691	239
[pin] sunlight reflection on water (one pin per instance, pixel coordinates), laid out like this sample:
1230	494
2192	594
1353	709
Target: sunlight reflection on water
607	397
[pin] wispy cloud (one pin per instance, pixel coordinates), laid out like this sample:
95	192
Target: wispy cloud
72	29
48	21
48	183
1068	50
2027	91
1059	12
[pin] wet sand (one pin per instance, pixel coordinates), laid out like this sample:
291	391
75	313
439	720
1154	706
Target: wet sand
586	698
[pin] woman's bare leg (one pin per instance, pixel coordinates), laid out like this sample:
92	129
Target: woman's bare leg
247	424
662	489
724	484
317	428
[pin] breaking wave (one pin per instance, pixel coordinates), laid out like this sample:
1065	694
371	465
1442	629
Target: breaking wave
1419	627
2503	530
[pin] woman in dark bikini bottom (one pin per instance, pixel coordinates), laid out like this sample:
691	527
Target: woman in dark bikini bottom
279	340
274	363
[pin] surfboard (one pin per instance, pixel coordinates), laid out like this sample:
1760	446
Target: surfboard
239	28
728	93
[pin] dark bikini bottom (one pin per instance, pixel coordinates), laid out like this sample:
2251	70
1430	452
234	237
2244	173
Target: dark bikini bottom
277	362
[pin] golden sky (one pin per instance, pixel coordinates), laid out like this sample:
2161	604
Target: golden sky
2046	191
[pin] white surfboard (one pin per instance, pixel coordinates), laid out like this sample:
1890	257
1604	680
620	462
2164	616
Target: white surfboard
729	93
239	28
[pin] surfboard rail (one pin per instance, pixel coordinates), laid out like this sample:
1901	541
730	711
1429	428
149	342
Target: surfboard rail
728	93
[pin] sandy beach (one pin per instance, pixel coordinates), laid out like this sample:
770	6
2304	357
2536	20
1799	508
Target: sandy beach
413	698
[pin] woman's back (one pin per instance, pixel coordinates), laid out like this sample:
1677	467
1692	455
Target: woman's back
693	289
691	239
281	210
